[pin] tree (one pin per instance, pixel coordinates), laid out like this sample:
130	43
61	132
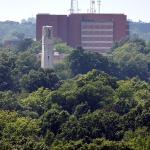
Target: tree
81	109
63	48
8	101
92	125
132	59
37	101
22	134
25	44
53	119
6	65
41	78
20	36
94	88
138	139
81	62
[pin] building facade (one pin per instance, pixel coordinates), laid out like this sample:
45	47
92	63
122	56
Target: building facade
93	32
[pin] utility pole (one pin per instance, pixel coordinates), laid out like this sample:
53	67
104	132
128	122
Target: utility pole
99	6
92	6
74	7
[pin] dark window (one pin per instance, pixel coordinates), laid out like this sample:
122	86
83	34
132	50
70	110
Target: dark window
49	33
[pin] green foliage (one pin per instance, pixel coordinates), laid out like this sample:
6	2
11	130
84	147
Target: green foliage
8	101
14	64
21	127
25	62
37	101
53	119
133	59
5	118
10	30
63	48
6	65
141	29
93	125
81	109
81	62
93	88
18	132
21	133
63	71
93	110
140	139
25	44
97	144
49	138
41	78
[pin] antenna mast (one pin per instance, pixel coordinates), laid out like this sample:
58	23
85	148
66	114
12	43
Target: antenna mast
99	6
92	6
74	7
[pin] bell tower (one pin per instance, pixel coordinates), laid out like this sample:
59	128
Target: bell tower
47	47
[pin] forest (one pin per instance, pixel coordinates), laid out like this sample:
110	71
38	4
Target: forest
87	102
26	28
13	30
140	29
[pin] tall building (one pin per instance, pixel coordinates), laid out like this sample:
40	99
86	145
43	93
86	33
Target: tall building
91	31
47	47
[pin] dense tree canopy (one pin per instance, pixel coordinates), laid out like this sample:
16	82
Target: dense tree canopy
133	59
102	103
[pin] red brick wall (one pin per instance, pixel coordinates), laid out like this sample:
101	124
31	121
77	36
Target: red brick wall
59	23
68	28
120	25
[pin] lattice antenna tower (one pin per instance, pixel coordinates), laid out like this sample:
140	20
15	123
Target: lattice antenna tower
74	7
92	6
99	6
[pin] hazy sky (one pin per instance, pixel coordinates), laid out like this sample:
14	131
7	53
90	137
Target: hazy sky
19	9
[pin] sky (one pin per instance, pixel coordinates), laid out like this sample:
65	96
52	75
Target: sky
16	10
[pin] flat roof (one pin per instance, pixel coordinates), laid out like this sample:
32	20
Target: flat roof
81	14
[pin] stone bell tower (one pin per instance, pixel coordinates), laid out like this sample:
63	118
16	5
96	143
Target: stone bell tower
47	47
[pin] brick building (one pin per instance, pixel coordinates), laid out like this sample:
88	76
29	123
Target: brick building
94	32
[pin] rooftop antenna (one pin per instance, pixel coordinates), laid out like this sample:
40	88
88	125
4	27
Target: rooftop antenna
99	6
74	7
92	6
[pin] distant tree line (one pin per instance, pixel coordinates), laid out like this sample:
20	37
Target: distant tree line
140	29
11	30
